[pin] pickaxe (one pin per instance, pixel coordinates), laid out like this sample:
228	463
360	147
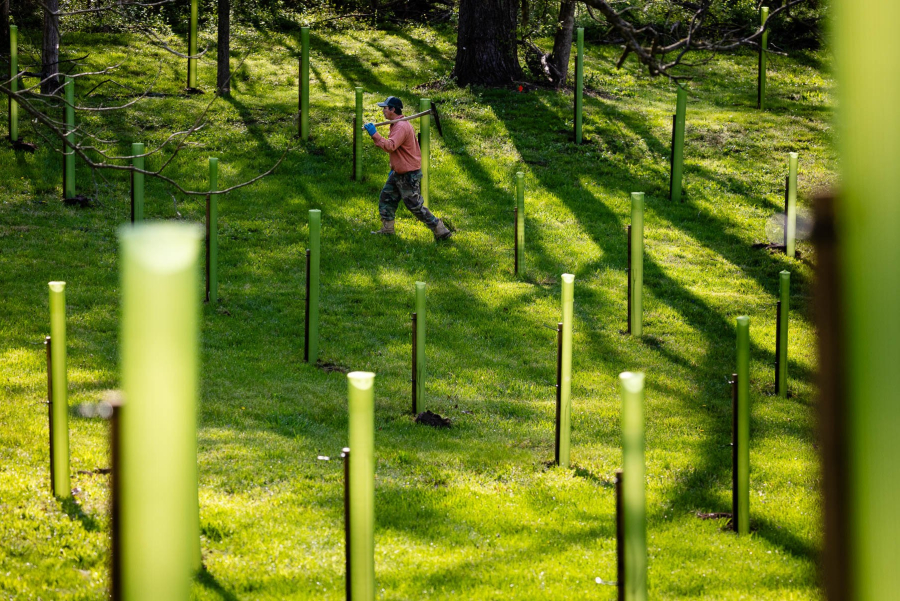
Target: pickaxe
432	111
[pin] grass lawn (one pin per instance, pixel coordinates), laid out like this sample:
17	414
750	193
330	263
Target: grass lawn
472	512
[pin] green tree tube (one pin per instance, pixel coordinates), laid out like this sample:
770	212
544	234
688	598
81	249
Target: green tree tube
159	366
637	263
790	220
362	485
678	142
763	48
520	221
60	409
565	393
192	48
425	144
357	137
420	344
137	183
785	290
304	84
634	488
14	83
315	244
579	85
213	231
743	427
867	68
69	156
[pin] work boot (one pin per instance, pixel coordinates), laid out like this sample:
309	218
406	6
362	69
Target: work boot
387	228
440	231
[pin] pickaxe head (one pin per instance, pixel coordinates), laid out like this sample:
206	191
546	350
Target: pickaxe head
437	118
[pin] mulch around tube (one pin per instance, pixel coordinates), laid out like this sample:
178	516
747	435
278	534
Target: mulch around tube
433	419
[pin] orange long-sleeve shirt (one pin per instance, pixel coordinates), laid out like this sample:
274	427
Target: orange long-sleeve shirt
402	145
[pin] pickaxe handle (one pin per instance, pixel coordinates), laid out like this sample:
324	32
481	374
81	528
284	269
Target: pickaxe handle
409	118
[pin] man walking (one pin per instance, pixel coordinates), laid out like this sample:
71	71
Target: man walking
406	172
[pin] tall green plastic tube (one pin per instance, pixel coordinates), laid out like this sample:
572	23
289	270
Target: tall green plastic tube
579	85
565	393
678	143
304	83
137	185
69	157
60	434
634	491
315	248
14	84
420	344
362	485
763	47
158	452
867	67
192	47
520	221
637	263
213	230
425	143
790	222
784	281
357	147
743	424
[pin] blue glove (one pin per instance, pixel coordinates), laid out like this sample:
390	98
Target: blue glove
370	127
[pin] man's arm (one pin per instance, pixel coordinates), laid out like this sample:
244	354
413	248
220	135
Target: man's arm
394	140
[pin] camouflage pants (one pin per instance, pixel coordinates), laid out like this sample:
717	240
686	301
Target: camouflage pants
404	186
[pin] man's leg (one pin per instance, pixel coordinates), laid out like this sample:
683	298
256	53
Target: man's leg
387	205
408	186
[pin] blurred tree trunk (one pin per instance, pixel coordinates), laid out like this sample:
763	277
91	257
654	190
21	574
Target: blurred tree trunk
4	31
562	43
223	60
50	48
486	43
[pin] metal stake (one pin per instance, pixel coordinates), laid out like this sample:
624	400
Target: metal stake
207	244
306	329
628	276
516	240
345	455
777	345
559	337
672	157
415	400
356	147
50	406
787	184
115	496
620	539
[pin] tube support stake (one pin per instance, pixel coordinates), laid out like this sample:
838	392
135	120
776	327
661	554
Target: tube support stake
520	222
420	344
362	485
160	380
633	488
212	234
790	225
763	48
559	330
415	354
735	451
137	183
565	388
678	144
636	274
60	392
743	425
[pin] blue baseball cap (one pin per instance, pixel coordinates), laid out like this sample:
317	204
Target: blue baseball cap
393	102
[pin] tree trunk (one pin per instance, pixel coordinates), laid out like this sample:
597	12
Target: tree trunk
223	60
486	43
50	49
562	43
4	32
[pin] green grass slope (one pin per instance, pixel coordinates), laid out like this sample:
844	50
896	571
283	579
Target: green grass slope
471	512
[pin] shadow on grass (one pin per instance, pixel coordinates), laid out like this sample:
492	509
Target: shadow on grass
71	508
205	579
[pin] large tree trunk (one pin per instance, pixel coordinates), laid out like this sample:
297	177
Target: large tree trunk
4	33
223	60
50	48
562	43
486	43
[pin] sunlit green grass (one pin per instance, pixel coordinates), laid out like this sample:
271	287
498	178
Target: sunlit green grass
470	512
